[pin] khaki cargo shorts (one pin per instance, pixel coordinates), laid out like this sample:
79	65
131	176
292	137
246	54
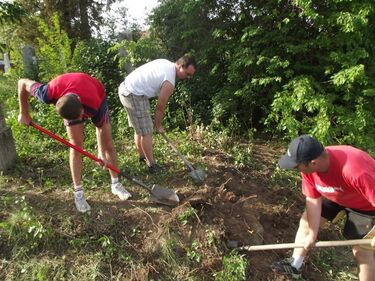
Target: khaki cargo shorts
138	109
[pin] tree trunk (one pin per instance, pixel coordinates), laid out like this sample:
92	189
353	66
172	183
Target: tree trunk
85	32
7	148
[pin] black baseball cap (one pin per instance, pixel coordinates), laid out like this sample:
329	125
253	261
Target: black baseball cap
302	149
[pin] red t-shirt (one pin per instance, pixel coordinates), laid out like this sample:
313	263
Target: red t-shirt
86	87
90	90
350	180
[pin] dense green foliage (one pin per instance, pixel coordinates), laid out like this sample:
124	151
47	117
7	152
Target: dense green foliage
277	67
54	49
95	58
289	67
10	12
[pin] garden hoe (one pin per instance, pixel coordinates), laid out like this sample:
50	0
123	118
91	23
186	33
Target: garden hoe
198	176
363	243
158	194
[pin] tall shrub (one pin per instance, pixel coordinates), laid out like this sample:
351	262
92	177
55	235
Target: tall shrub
288	67
54	48
331	92
96	58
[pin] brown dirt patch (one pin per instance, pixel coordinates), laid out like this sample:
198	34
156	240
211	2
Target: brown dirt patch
233	207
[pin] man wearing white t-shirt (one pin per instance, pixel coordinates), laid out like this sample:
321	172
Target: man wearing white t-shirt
155	79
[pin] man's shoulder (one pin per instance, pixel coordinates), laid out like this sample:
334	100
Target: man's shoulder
351	158
348	149
163	62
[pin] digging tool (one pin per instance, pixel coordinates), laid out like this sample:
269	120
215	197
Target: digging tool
369	235
364	242
198	176
158	194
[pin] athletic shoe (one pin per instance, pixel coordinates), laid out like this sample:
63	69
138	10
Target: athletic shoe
81	203
285	267
155	168
120	191
142	159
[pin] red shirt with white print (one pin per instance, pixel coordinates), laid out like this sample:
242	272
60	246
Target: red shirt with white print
349	182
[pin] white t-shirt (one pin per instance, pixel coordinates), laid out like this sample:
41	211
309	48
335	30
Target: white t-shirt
147	79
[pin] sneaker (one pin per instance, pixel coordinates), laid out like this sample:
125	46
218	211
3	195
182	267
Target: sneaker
81	203
285	267
155	168
142	159
120	191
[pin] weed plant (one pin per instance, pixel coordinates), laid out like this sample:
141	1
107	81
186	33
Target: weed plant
234	268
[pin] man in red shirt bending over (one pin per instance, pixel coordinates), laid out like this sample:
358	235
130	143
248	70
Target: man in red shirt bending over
334	178
77	96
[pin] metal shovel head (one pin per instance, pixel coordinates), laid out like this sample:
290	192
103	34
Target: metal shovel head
164	195
198	176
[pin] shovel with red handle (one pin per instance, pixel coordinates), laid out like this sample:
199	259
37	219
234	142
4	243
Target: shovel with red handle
158	194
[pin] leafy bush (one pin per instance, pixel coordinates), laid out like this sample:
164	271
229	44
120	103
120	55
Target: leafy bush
53	50
276	67
141	51
95	57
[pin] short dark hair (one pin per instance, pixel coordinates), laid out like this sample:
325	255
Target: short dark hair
69	107
187	60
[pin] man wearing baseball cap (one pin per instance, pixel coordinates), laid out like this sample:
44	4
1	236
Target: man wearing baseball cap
334	179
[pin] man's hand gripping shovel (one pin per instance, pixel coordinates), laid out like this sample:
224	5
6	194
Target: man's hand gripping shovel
158	194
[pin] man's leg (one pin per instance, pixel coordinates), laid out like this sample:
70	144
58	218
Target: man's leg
108	151
75	134
138	145
366	263
106	147
144	142
138	111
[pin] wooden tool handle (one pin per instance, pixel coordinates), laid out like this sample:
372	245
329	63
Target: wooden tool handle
187	163
299	245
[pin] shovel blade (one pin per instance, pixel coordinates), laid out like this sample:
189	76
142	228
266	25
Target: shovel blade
164	196
198	176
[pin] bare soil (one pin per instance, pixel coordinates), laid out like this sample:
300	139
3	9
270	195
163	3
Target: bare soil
237	206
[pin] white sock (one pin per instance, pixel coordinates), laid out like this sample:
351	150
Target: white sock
297	262
78	191
114	181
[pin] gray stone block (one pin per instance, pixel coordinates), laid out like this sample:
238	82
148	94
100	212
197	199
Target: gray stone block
7	149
